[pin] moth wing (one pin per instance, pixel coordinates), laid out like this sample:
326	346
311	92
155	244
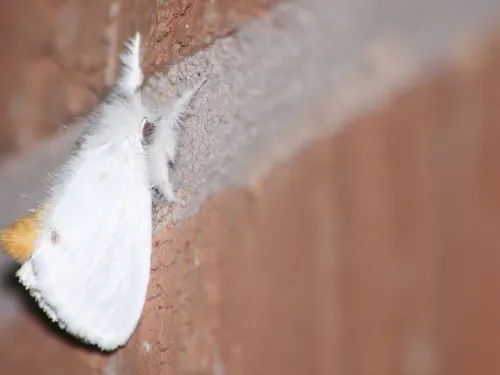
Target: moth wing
91	262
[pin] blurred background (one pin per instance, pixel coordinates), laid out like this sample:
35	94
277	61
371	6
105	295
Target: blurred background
393	269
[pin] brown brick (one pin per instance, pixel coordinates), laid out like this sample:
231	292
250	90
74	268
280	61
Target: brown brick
373	251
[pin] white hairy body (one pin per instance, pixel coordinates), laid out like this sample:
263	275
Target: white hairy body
91	260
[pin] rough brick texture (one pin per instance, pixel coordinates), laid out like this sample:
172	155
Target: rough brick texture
373	251
62	55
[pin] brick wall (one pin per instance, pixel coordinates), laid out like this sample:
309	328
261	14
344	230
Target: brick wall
61	56
371	251
343	224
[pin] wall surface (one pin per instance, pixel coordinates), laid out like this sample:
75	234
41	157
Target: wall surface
372	251
341	171
60	57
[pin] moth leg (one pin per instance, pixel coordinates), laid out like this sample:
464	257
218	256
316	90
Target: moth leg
163	147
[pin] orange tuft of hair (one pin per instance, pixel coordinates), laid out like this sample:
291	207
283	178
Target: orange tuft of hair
18	238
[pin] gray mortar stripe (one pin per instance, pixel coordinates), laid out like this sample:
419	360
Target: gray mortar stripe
272	89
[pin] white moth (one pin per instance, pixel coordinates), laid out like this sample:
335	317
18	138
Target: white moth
91	260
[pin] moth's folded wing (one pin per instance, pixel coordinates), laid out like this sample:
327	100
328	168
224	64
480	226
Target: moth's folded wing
93	253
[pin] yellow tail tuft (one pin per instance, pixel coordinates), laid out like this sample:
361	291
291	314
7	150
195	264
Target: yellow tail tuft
17	239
